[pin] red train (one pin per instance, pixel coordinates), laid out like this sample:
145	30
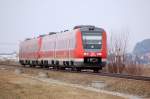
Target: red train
84	47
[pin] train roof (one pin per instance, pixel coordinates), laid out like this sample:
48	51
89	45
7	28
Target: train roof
88	28
81	27
27	39
51	33
84	26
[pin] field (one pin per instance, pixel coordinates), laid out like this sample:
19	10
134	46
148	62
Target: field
26	86
23	86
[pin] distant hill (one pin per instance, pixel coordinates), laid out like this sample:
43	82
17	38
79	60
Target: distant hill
142	47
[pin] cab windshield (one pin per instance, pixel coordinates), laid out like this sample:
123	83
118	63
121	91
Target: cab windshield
92	41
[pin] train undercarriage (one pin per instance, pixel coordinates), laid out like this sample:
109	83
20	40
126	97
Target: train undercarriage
94	64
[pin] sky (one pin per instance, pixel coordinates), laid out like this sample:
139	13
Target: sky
21	19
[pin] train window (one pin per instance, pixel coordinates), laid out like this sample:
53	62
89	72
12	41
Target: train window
92	41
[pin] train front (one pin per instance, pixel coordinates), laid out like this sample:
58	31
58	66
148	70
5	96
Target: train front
94	47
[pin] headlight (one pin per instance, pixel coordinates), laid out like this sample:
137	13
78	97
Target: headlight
85	53
99	54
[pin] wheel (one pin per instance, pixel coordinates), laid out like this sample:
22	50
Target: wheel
23	65
56	67
73	69
62	68
31	65
78	69
96	70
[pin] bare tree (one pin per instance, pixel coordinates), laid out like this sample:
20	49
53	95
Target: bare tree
117	55
117	50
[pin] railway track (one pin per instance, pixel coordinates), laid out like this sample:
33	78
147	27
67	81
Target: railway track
143	78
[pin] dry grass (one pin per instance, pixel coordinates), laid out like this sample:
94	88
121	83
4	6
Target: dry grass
116	84
115	68
130	69
135	87
146	71
18	87
8	62
141	88
134	69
